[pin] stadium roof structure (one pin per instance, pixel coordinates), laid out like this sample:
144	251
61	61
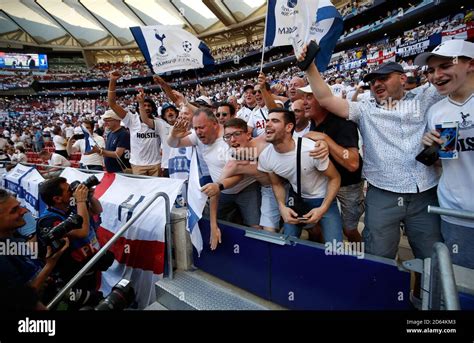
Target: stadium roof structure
104	24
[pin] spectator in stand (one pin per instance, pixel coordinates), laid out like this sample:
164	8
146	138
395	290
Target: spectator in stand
59	142
117	148
19	156
144	140
54	160
89	159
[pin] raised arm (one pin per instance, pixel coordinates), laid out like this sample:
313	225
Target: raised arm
266	95
141	106
111	96
322	92
166	88
179	133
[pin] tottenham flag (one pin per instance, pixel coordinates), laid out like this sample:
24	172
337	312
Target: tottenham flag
140	251
198	176
88	139
296	22
167	48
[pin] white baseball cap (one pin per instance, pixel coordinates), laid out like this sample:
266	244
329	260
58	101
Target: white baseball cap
110	114
450	48
306	89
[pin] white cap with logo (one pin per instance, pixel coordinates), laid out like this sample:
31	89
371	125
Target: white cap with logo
450	48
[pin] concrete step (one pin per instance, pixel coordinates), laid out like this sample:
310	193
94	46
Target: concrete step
190	290
155	307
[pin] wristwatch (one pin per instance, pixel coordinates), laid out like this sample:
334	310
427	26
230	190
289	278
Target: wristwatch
221	186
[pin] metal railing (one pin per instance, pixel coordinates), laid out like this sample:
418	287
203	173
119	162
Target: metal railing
124	228
442	281
449	212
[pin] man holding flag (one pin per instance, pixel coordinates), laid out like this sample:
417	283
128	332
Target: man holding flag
83	141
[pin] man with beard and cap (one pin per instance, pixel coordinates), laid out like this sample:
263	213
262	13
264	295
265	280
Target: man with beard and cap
145	140
399	188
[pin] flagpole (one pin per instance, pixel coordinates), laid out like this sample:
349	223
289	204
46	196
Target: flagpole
264	40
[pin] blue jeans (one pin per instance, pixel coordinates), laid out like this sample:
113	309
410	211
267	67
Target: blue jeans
331	222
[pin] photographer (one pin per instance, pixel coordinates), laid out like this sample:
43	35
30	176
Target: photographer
21	276
62	202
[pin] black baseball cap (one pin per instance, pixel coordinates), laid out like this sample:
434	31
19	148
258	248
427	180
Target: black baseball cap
384	69
167	105
248	87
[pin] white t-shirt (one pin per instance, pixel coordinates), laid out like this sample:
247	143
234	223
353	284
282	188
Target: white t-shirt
59	142
313	182
165	148
92	159
338	89
145	143
58	160
216	156
457	180
244	113
302	132
69	131
258	121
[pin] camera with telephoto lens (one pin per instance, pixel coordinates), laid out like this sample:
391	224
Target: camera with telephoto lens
121	297
90	182
53	236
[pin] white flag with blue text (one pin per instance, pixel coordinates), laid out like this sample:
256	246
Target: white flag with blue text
198	176
296	22
88	139
167	48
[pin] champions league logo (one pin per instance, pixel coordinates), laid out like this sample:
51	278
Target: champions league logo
162	48
187	46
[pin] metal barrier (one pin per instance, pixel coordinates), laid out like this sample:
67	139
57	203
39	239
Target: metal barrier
442	280
124	228
449	212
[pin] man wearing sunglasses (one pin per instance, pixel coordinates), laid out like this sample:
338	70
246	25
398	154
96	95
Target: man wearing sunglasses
399	187
225	112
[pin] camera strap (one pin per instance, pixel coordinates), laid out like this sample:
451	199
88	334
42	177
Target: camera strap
298	167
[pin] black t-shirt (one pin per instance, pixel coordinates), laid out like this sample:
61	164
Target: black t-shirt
344	133
117	139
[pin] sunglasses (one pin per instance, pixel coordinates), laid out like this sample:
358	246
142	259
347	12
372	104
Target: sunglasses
381	78
224	114
227	137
